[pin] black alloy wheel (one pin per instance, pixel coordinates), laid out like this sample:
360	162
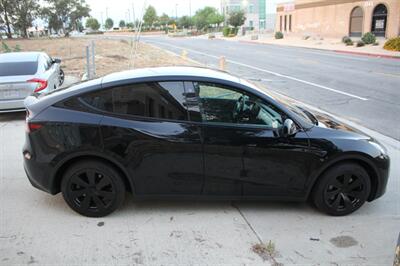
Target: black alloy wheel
93	188
342	189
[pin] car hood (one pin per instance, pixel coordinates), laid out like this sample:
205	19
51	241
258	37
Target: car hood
343	129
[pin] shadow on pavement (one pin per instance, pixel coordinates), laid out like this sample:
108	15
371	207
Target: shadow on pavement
8	117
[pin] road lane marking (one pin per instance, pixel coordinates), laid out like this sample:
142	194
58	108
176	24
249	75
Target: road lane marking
265	71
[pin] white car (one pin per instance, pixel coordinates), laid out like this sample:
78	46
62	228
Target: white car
24	73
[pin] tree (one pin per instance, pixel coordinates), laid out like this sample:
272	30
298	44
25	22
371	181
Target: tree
185	22
206	17
65	14
164	19
6	15
93	24
122	24
236	19
150	16
109	23
130	25
25	13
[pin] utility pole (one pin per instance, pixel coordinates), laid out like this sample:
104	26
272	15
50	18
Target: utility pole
190	8
133	12
129	15
176	11
102	22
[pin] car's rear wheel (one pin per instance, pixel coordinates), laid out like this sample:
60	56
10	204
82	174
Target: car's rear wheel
342	189
93	188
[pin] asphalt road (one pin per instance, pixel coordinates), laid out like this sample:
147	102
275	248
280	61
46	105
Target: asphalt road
363	89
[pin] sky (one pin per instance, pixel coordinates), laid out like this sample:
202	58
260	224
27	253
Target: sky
118	9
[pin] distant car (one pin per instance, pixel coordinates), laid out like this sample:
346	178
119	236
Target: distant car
194	133
24	73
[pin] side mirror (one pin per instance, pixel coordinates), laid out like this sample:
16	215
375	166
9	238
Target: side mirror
56	61
289	128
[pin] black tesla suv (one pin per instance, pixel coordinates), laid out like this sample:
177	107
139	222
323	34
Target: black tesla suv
193	133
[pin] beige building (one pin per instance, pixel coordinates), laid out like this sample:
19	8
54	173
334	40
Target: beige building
338	18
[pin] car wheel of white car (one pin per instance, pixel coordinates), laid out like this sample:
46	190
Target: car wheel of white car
62	76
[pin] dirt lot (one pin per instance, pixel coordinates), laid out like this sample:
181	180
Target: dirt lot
111	55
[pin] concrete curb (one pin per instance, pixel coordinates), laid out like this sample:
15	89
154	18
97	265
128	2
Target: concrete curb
331	50
367	54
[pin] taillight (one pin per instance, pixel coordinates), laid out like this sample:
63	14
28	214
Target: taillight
32	127
41	84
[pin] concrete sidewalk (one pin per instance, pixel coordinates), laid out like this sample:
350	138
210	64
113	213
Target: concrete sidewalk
321	44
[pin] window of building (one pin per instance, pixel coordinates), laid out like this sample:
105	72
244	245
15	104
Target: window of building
285	26
290	22
251	9
280	23
356	22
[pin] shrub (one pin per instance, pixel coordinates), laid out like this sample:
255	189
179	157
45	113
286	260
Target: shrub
94	32
5	48
368	38
375	44
278	35
226	31
393	44
347	40
360	44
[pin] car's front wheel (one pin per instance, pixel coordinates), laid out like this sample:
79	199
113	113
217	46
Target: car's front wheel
93	188
342	189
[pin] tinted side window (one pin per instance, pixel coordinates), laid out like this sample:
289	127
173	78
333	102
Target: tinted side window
220	104
164	100
98	100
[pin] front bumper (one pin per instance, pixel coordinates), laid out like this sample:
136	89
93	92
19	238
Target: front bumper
383	164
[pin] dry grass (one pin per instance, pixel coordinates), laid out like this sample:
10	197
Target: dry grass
111	55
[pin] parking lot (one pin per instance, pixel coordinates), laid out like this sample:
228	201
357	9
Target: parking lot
37	228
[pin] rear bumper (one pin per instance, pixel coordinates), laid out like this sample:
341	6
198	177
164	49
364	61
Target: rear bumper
38	173
12	105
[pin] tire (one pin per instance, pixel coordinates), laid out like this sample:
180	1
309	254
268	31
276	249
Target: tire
61	77
93	188
342	189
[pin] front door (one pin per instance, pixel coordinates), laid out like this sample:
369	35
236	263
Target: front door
379	21
244	152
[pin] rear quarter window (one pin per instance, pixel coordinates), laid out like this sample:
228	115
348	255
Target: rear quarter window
18	68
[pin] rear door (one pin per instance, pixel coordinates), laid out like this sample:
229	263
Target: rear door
146	126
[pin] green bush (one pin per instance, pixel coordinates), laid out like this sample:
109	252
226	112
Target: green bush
226	31
347	40
94	32
360	44
368	38
278	35
5	48
393	44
